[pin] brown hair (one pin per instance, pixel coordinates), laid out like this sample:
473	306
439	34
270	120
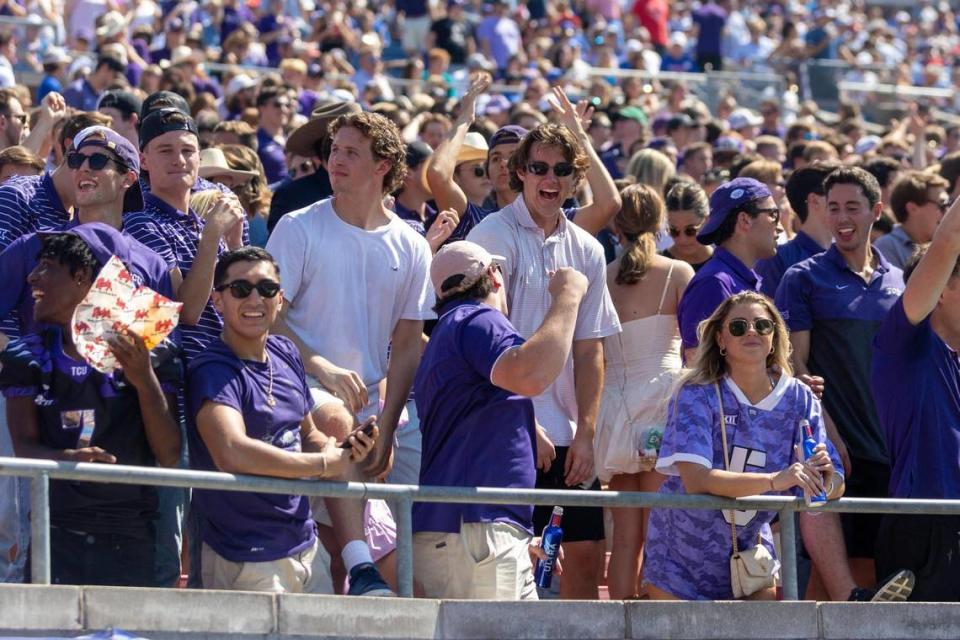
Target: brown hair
254	194
80	121
241	129
814	147
710	364
766	171
639	218
429	118
385	142
19	155
552	135
912	187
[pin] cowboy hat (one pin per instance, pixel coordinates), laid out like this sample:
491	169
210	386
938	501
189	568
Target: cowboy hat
303	141
214	163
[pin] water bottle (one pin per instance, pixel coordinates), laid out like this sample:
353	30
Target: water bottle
809	443
550	543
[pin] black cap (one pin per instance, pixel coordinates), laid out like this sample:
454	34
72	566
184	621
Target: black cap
125	102
163	121
164	100
417	152
680	121
115	63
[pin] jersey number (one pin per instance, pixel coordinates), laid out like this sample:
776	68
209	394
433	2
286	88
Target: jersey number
745	460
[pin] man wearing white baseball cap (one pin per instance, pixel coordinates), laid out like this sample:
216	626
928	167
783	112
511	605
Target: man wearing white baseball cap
473	390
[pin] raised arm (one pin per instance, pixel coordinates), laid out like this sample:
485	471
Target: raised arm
930	277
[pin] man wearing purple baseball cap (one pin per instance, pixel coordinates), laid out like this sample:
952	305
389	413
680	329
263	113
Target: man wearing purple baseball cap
502	145
744	223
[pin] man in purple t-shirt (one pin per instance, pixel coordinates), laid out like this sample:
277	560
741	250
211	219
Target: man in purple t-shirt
275	110
710	20
248	411
473	391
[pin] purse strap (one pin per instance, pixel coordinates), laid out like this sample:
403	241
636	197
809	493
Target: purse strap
726	464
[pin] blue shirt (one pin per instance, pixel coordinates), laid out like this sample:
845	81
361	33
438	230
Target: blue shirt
722	276
921	421
81	95
771	270
843	314
175	236
47	85
271	156
475	434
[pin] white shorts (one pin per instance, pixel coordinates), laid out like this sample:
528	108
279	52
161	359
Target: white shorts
305	572
485	561
415	31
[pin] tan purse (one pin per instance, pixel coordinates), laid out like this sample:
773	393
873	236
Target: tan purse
753	569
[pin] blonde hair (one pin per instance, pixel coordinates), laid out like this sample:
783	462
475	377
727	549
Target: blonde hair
651	167
202	202
254	194
640	217
766	171
710	364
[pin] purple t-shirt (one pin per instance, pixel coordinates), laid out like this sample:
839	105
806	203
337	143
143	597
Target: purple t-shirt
688	552
246	526
722	276
922	425
711	18
272	157
475	434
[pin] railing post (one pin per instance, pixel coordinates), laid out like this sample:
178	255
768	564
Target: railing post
404	517
40	528
788	548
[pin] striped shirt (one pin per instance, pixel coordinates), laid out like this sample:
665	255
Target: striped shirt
175	236
202	184
27	204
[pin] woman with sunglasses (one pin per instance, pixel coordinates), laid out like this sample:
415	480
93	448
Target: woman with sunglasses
742	382
641	366
687	209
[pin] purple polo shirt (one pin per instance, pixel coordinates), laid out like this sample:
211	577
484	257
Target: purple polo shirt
175	237
771	270
412	218
720	277
201	184
843	314
475	434
921	422
243	526
19	259
272	157
81	95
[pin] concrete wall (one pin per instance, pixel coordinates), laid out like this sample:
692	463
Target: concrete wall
29	610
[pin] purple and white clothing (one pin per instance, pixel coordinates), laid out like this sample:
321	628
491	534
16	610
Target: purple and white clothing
244	526
688	552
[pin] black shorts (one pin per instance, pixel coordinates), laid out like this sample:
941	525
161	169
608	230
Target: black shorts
579	524
927	545
869	480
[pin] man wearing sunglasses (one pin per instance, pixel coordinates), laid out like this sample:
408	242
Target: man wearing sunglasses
275	110
248	411
834	304
918	200
744	223
535	237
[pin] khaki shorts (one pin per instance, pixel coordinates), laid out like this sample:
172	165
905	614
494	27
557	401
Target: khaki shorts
485	561
304	572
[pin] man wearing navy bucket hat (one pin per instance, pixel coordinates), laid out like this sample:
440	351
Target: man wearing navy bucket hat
744	223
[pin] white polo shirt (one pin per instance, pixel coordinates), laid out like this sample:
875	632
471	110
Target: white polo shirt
530	258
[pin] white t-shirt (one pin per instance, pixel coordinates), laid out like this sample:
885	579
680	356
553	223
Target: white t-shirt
347	288
530	258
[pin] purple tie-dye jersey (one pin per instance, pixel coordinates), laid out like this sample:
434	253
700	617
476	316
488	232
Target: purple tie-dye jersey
687	552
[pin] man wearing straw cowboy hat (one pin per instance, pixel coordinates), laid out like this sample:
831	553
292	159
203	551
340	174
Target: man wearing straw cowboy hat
214	167
308	141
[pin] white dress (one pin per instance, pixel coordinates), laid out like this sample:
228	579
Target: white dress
642	363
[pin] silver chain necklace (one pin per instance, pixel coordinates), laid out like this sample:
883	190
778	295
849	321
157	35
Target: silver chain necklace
271	401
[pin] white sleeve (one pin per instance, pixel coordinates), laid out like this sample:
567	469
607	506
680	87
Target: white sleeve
494	234
419	298
288	246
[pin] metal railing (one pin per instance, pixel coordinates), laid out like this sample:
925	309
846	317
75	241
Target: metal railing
41	472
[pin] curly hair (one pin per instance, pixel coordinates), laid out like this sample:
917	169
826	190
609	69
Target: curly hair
552	135
710	364
385	141
638	220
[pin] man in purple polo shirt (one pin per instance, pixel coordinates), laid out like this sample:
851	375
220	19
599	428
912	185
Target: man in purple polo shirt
805	193
473	390
744	222
275	110
834	304
248	411
917	345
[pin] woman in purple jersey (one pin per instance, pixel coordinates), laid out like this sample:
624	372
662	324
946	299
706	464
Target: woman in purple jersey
743	358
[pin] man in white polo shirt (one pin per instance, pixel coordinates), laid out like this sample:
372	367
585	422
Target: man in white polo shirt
536	239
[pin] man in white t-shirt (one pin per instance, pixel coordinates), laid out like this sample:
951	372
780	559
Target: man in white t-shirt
356	278
535	238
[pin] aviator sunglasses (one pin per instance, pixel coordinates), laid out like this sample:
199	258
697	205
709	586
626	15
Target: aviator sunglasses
243	288
739	327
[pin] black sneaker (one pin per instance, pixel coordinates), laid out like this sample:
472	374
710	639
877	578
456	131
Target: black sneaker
896	588
365	580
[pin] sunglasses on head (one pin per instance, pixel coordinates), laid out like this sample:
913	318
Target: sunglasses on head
690	231
96	161
243	288
739	327
560	170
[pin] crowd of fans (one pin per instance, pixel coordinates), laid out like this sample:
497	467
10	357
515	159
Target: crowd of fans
433	243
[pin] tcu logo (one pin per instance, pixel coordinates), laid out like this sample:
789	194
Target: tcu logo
744	460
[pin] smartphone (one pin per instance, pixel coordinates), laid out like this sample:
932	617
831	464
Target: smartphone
367	429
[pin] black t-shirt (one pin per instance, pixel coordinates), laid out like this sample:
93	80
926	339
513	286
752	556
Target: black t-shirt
452	36
76	402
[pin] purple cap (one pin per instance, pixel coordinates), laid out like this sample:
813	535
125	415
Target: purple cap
101	238
510	134
727	199
111	141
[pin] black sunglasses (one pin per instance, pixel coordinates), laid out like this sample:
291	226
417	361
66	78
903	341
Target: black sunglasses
243	288
479	172
773	212
690	231
561	169
96	161
943	205
739	327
